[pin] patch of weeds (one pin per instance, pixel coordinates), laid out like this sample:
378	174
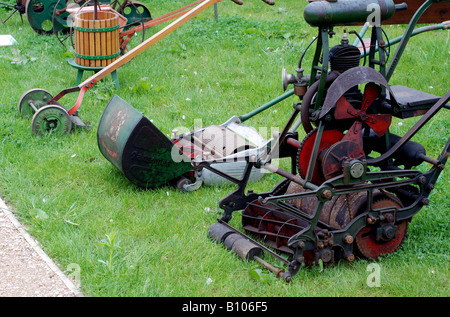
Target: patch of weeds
260	276
144	86
111	244
177	48
103	90
19	58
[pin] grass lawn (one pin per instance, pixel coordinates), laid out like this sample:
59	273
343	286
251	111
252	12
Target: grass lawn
133	242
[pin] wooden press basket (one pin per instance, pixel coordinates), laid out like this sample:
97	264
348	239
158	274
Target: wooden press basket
96	40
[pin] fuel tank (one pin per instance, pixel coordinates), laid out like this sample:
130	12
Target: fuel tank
347	12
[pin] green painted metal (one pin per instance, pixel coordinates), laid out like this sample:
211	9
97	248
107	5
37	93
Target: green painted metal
97	30
346	12
266	106
96	57
137	148
32	100
136	13
52	118
40	16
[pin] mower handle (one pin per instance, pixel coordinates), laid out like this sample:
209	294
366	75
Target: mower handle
401	6
270	2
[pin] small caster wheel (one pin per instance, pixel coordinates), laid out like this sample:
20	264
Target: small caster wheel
53	118
32	100
181	182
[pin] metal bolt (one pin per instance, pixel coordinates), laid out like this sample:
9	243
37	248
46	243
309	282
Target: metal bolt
348	239
425	201
351	258
389	217
430	187
320	245
422	179
371	220
326	255
327	194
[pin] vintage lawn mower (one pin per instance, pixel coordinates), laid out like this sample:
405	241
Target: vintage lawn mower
353	188
48	115
132	143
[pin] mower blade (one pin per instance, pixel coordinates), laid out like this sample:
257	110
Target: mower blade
137	148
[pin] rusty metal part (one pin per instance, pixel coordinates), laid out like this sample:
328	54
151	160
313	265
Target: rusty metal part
337	212
329	137
307	101
349	79
278	272
336	154
379	123
377	239
271	225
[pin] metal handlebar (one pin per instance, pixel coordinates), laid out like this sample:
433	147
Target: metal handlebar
270	2
401	6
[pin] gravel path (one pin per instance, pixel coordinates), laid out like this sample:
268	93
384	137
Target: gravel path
25	270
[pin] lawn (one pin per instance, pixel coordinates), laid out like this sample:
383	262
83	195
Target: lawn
128	241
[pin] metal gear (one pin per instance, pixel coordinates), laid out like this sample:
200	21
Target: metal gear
371	242
329	137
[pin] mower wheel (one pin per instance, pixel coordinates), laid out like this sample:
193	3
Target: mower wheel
181	182
368	243
52	118
32	100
